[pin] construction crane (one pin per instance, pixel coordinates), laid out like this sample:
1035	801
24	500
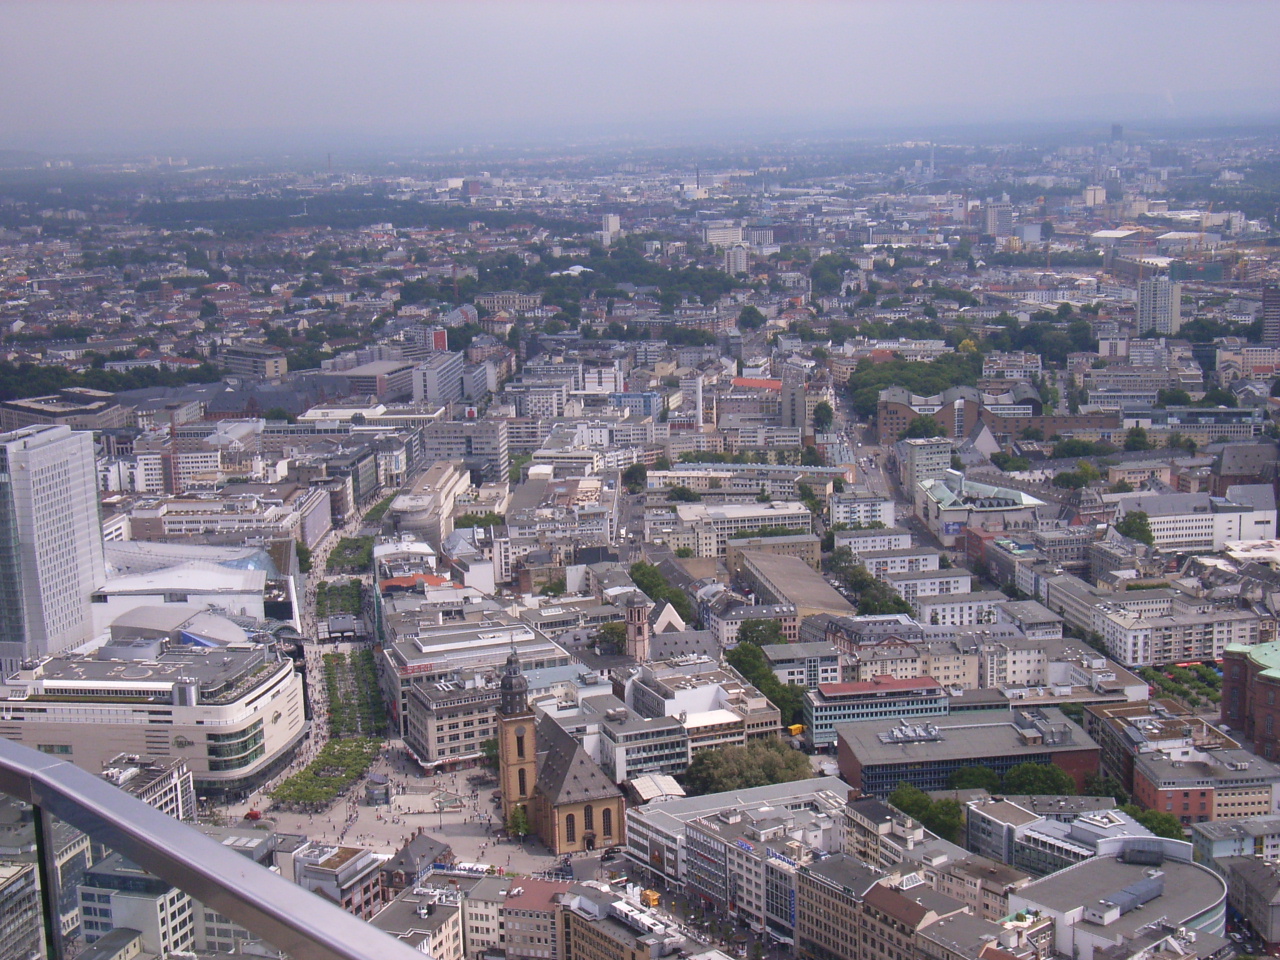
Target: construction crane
1204	217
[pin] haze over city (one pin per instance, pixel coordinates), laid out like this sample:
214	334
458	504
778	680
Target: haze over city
654	480
404	76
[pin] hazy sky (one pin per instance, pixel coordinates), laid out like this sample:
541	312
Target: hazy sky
112	74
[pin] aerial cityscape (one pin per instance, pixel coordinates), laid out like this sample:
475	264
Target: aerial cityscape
482	513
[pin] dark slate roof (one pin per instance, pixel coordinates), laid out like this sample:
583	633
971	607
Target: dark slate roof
682	643
565	773
1245	459
1260	496
421	848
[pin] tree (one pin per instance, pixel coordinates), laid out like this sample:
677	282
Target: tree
681	494
554	588
975	778
923	427
943	817
1096	785
911	800
489	519
304	558
612	635
518	823
1136	525
823	417
489	749
684	553
635	477
946	819
750	319
760	632
1136	439
1122	486
1158	822
1070	480
650	580
1039	779
1173	397
756	764
749	661
1216	397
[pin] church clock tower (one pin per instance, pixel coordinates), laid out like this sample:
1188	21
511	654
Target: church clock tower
517	743
638	628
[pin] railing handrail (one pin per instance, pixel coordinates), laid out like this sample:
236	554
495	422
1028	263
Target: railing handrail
287	916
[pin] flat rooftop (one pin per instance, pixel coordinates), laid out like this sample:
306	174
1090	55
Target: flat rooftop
213	668
952	574
882	684
790	652
1189	890
798	583
900	552
972	735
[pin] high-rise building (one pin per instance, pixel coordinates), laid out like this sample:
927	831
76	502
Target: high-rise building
610	227
998	218
737	259
257	360
50	542
1159	306
1271	315
921	459
480	444
438	379
721	233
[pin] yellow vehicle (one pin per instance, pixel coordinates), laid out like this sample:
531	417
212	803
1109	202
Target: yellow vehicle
796	729
649	898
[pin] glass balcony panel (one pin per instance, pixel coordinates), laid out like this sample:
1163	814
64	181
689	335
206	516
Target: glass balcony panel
120	871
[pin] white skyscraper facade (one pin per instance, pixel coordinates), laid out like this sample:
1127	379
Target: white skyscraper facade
1159	306
51	557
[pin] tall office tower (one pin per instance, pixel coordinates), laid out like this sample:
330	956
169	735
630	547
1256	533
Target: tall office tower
1271	315
1117	132
1159	306
610	225
998	219
50	542
737	259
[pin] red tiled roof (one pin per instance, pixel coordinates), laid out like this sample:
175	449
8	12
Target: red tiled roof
881	684
411	581
757	383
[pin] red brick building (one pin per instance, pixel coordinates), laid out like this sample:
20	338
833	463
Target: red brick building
1250	690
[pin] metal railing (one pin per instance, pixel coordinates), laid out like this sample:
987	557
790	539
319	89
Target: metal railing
290	918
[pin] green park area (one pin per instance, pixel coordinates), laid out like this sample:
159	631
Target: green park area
351	555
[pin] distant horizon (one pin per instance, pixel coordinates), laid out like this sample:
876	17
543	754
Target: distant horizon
393	77
245	148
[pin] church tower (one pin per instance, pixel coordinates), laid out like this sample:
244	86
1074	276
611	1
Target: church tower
517	742
637	628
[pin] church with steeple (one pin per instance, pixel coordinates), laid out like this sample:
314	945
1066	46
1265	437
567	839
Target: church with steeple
549	784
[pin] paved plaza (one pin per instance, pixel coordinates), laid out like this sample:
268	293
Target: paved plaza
444	805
